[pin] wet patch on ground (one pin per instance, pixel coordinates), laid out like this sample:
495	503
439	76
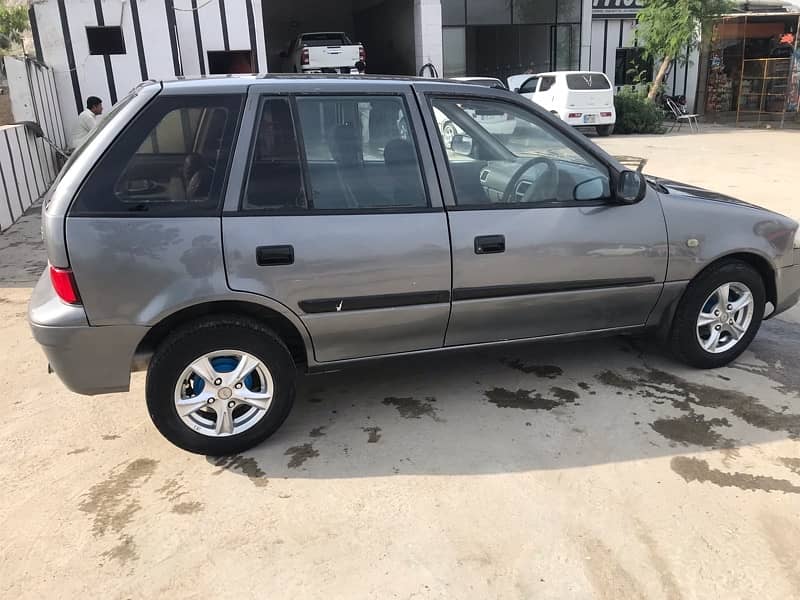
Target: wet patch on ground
414	408
694	469
543	371
530	399
374	434
693	429
684	395
110	437
245	465
112	505
79	450
793	464
317	432
769	347
187	508
172	490
300	454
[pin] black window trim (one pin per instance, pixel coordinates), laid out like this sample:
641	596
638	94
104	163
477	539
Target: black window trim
178	214
311	210
600	203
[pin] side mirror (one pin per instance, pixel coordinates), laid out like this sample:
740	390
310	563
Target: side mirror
631	187
284	54
462	144
591	189
516	90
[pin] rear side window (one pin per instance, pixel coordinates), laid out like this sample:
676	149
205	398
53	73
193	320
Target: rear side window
172	160
547	83
587	81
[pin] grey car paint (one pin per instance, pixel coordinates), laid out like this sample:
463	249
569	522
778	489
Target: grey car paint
129	285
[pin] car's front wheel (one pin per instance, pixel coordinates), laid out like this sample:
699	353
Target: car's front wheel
220	385
719	315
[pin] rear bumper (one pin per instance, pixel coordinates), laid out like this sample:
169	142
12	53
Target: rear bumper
787	284
598	120
88	360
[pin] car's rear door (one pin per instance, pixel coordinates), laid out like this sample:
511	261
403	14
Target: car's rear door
330	212
539	248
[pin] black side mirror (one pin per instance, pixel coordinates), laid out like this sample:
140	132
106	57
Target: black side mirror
516	90
631	187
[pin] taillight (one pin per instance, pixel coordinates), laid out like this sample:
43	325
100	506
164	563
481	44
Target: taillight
362	54
304	56
64	284
605	114
574	115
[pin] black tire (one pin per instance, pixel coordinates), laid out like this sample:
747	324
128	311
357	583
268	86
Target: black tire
604	130
683	336
207	335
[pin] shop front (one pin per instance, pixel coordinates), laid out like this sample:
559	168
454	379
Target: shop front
498	38
752	67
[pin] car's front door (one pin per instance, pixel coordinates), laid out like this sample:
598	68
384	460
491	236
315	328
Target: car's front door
540	247
337	220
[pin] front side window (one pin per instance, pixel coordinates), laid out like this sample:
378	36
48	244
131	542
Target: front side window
360	153
501	155
172	159
529	87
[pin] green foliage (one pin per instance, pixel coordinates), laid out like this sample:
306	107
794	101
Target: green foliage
667	28
636	114
13	22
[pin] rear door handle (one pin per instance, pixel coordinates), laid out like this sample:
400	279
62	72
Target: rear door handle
268	256
490	244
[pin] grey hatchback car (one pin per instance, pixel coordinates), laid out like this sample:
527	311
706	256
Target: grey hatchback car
225	233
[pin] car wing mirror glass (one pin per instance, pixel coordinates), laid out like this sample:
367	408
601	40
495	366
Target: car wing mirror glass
591	189
631	187
462	144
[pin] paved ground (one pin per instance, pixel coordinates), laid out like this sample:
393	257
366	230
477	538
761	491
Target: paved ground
574	470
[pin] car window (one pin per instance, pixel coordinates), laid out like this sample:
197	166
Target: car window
172	159
360	153
547	83
588	81
501	154
529	87
275	180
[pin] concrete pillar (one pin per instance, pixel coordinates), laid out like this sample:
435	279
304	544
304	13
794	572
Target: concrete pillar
586	35
428	33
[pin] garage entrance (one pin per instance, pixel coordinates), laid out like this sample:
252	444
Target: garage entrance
384	27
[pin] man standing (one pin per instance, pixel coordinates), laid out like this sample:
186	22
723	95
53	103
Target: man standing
87	121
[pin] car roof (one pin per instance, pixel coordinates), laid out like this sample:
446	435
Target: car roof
238	82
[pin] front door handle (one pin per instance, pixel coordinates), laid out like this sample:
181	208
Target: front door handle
268	256
490	244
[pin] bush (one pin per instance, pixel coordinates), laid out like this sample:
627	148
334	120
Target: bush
636	114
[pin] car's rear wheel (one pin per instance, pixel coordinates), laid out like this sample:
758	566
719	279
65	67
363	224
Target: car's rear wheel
604	130
448	133
220	385
719	315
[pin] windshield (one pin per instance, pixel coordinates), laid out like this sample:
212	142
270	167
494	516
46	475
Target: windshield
588	81
325	39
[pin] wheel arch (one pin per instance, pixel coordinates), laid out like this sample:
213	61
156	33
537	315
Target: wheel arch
294	335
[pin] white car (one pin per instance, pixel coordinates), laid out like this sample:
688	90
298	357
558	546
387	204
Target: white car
579	98
324	52
492	121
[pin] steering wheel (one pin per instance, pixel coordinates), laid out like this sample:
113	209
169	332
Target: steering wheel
544	188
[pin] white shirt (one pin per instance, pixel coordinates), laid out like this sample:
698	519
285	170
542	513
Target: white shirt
87	123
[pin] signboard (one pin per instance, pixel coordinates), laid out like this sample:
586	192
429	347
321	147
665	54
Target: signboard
616	9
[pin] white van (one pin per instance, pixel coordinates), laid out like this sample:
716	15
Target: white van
584	98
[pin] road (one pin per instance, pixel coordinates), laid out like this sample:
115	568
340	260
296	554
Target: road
598	469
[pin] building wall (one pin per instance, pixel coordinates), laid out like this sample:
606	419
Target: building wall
163	39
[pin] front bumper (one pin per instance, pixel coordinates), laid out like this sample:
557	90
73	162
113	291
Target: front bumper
88	360
787	284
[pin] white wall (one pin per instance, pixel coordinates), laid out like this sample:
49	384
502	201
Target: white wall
428	33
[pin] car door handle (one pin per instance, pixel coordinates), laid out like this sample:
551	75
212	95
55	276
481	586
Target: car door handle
268	256
490	244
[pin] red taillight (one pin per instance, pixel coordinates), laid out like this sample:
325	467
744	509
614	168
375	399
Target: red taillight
304	56
574	115
362	54
64	284
605	114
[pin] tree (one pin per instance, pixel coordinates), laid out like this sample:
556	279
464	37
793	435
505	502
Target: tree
13	23
670	29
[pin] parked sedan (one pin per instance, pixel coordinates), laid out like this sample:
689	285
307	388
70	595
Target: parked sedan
225	233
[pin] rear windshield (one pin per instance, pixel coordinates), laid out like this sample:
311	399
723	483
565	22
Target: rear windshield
587	81
326	39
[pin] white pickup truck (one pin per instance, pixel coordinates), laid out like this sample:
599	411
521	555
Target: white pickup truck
324	52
